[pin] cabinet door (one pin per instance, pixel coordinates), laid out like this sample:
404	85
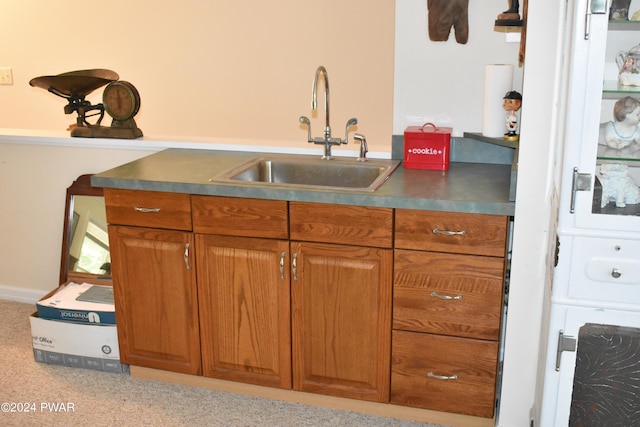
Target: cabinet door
154	282
601	171
341	320
244	296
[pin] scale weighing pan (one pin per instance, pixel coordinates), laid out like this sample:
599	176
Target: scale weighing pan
75	83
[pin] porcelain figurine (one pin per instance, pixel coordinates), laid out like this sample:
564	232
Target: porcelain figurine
629	67
622	131
618	186
512	102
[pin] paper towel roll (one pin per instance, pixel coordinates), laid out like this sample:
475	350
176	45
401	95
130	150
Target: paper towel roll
498	79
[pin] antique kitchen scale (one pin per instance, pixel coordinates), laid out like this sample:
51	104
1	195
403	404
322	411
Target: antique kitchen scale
120	100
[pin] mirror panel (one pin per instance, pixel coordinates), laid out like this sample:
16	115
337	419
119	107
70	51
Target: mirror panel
85	242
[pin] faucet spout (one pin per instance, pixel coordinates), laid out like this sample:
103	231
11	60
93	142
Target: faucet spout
327	141
314	98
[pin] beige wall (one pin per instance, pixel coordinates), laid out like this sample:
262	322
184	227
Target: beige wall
204	68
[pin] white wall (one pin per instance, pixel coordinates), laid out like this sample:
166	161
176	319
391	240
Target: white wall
443	82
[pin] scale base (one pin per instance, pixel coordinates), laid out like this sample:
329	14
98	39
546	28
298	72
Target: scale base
118	129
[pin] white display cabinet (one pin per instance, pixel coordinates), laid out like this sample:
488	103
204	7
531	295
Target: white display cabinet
594	309
597	200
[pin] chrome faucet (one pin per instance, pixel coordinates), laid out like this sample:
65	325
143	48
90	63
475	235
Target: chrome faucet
327	141
314	99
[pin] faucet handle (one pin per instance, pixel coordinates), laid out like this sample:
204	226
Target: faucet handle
350	122
305	121
364	149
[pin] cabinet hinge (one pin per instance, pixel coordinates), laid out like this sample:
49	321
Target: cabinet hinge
565	343
580	182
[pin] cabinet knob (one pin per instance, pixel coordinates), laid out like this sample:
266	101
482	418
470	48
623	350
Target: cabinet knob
615	273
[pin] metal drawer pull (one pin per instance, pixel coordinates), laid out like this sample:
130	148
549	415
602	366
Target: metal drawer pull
282	254
186	255
442	377
294	265
146	210
449	233
615	273
447	297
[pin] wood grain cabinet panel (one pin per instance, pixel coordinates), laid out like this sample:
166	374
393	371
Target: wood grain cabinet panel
463	233
444	373
156	300
448	294
148	209
245	318
341	320
342	224
232	216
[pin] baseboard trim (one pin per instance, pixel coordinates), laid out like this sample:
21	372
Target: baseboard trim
29	296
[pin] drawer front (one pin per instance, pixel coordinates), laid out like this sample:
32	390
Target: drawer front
231	216
444	373
447	294
605	269
475	234
148	209
341	224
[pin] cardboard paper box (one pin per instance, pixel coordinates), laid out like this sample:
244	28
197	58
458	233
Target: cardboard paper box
65	303
73	344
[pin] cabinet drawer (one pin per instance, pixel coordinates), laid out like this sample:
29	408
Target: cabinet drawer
342	224
604	269
148	209
475	234
448	294
231	216
444	373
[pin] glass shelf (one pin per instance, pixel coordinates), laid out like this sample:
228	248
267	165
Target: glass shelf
612	90
627	154
624	25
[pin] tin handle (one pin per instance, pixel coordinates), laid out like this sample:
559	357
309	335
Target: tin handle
428	124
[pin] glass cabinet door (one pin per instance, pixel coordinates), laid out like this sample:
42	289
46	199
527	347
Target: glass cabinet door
606	164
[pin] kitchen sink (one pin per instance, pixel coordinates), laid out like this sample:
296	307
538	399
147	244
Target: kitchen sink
296	171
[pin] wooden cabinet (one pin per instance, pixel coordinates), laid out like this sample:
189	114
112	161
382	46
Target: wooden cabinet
400	306
341	296
243	290
154	281
447	307
341	320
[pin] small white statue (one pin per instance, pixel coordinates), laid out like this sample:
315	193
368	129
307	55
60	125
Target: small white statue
623	130
617	185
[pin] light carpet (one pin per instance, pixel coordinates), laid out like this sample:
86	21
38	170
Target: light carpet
93	398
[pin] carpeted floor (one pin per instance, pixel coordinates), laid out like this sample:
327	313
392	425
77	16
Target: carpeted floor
94	398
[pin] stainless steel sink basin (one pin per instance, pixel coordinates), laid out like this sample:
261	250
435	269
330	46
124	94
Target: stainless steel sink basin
311	172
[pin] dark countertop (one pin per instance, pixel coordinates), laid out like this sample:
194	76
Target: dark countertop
465	187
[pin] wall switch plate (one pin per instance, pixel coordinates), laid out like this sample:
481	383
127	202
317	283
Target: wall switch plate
6	78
